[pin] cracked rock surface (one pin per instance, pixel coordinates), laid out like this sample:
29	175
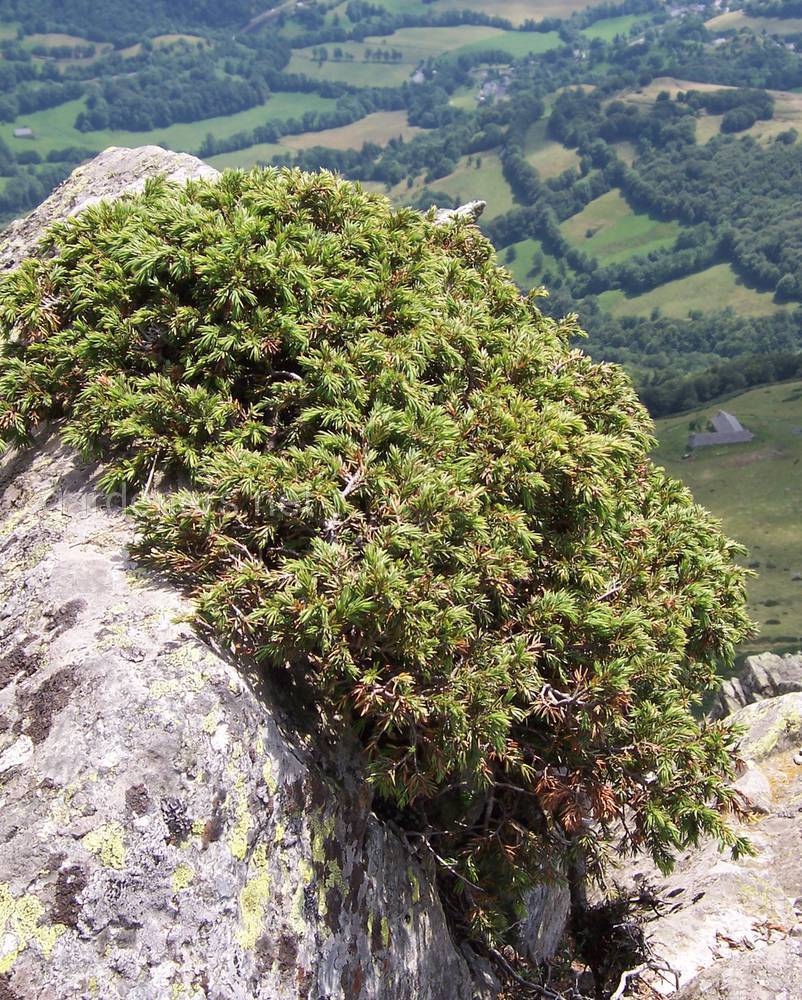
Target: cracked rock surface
165	830
733	929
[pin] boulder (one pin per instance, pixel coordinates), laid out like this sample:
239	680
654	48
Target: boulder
117	171
168	826
731	928
770	973
763	676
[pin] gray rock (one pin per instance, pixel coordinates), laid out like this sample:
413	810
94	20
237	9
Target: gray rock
755	786
763	676
163	825
548	911
115	172
469	212
770	973
729	919
773	727
167	827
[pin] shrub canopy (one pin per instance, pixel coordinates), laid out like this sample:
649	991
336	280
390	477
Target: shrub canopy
404	486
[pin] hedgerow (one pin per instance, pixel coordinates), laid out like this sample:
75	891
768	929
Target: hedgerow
399	482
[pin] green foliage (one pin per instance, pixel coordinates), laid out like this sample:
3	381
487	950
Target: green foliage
406	490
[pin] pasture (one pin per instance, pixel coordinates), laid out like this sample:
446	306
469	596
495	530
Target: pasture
378	128
755	490
520	259
253	156
711	290
415	45
549	158
609	229
515	11
608	28
476	177
787	108
54	128
737	20
517	44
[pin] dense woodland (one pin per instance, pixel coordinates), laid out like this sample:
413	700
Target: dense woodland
735	199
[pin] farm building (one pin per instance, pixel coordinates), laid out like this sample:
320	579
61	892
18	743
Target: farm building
23	133
727	429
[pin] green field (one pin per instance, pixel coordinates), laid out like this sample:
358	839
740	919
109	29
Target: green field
415	44
609	229
378	128
466	183
517	44
54	128
465	97
711	290
524	252
755	490
550	158
736	20
253	156
53	39
516	11
608	28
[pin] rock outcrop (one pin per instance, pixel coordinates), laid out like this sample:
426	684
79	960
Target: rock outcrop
166	829
763	676
733	929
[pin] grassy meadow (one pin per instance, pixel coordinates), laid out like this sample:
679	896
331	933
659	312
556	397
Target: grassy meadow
609	229
610	27
54	128
378	128
787	108
548	157
737	20
711	290
516	11
755	490
415	45
468	182
518	259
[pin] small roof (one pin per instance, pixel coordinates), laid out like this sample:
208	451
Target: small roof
23	133
726	423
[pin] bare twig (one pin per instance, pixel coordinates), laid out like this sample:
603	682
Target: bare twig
615	589
353	483
149	483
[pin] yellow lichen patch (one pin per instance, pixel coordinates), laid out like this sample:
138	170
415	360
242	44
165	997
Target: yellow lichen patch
212	720
238	842
385	932
269	777
183	876
162	688
297	921
20	927
107	843
320	834
306	871
253	902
